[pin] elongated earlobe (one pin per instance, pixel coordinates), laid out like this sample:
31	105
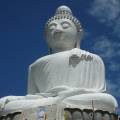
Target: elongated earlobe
50	50
79	38
75	44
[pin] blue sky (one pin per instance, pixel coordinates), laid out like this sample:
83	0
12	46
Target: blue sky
22	38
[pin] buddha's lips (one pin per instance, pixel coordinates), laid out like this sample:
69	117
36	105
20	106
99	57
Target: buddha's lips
58	36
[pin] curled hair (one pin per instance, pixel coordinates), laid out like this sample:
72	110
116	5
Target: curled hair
71	18
64	12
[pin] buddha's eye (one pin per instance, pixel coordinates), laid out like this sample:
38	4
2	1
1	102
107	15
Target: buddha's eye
52	26
65	25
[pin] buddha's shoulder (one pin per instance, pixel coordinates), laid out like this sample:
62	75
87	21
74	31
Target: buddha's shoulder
87	54
48	58
96	58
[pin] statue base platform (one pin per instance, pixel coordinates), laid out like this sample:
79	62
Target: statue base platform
54	106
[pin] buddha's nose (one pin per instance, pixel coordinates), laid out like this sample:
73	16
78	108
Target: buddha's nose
58	29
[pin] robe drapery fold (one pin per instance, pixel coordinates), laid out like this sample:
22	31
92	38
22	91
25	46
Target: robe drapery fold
75	68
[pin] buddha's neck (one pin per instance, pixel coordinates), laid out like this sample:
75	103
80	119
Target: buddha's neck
60	50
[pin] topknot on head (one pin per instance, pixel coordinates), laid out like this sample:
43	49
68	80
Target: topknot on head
63	10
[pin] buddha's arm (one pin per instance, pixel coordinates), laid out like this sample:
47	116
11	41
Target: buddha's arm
36	76
74	91
31	82
101	73
5	100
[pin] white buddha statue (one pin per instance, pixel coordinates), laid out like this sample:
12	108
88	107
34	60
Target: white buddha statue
68	71
67	66
69	77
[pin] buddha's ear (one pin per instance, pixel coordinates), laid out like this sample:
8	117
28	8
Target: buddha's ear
79	38
81	34
49	50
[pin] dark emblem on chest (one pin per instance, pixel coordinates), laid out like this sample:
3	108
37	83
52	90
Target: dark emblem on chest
74	59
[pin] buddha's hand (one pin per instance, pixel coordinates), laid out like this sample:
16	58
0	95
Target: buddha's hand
74	91
5	100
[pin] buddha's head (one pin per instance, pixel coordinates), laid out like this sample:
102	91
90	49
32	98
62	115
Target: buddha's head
63	31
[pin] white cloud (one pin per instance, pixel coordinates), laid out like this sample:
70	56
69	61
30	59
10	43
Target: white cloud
106	11
114	66
116	28
108	50
106	47
118	53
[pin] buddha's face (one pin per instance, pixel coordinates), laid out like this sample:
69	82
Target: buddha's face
61	34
